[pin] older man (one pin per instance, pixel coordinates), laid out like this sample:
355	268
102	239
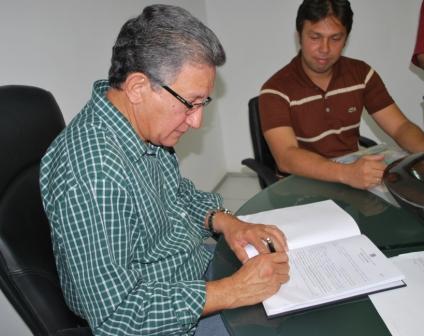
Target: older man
127	228
311	109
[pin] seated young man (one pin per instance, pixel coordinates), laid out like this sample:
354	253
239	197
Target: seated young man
311	109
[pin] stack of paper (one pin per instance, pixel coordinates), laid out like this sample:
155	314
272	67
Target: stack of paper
401	309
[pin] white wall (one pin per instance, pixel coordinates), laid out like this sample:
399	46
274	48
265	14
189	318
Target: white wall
260	37
10	321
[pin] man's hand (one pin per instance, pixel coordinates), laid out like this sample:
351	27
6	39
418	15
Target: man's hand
258	279
238	234
364	173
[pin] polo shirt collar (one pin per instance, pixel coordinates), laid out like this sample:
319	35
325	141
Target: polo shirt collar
297	61
133	146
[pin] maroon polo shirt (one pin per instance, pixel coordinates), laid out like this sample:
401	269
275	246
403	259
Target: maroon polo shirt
325	122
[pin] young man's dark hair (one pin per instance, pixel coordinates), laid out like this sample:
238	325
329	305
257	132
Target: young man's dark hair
316	10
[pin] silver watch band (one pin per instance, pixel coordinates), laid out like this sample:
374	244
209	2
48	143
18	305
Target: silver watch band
211	216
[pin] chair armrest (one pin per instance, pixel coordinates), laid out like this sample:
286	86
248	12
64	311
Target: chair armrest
366	142
264	172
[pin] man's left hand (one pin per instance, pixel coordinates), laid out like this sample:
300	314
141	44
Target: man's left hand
238	234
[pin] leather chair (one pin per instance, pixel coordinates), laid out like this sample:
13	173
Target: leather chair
29	121
263	163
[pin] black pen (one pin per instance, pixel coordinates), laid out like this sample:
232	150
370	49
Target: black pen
270	244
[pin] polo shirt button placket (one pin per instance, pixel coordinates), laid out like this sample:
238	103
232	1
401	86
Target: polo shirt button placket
327	109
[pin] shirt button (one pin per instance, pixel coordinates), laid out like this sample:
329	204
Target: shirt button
327	109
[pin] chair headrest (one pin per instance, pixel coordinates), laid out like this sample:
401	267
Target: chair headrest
24	132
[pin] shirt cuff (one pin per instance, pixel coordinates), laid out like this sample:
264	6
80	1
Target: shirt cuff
189	299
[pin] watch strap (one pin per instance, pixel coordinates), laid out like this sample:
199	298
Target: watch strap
211	217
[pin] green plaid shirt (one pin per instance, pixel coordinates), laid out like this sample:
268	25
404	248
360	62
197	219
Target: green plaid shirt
127	229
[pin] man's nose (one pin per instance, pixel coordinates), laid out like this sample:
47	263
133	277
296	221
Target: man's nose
194	120
324	46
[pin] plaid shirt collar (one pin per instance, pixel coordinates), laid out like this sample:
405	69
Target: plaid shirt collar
134	147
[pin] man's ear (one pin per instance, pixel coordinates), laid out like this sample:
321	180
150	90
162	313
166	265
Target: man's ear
135	86
346	41
299	38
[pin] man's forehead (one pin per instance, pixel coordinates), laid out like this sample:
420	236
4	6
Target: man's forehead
329	24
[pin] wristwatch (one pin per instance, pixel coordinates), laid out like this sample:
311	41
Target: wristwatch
211	216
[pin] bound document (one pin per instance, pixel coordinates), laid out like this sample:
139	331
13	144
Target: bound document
329	258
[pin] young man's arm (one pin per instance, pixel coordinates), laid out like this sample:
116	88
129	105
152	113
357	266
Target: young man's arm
364	173
406	134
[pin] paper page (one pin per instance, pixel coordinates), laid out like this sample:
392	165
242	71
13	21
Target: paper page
390	153
307	224
402	309
384	193
333	271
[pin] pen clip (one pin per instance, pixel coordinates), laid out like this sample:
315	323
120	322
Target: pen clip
270	245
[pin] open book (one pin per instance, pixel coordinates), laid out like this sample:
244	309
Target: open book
329	258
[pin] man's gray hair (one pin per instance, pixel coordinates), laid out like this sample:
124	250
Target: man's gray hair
159	42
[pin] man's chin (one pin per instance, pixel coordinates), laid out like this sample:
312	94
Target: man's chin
171	142
322	69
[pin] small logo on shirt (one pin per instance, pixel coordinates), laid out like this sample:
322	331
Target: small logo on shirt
351	109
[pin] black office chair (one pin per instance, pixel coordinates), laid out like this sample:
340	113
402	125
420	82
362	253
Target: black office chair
29	121
263	163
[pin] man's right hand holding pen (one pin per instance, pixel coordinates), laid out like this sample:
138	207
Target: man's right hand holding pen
259	277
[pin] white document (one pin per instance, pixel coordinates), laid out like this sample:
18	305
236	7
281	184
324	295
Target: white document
333	271
402	309
329	259
308	223
390	153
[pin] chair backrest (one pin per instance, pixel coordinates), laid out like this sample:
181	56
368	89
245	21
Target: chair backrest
261	151
29	121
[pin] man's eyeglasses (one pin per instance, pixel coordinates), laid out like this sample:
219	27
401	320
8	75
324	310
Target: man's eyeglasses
190	106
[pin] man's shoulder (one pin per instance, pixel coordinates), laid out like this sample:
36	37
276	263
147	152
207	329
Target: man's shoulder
354	64
82	150
283	79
